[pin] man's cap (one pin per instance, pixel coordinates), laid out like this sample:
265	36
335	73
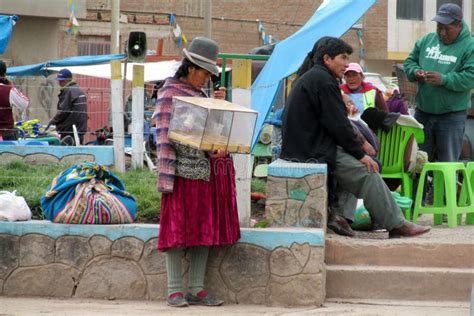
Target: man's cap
64	74
203	52
354	67
448	13
3	68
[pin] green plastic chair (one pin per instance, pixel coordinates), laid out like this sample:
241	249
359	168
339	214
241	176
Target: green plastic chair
464	197
445	193
392	150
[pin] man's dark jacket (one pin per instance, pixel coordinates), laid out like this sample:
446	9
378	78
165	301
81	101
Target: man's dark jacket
72	109
315	120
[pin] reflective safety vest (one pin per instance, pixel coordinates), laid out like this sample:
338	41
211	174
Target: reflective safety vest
369	99
364	100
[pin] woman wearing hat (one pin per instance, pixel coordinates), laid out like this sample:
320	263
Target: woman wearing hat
198	204
363	94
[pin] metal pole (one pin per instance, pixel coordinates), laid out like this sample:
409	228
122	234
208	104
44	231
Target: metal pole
138	95
115	28
241	94
116	87
207	18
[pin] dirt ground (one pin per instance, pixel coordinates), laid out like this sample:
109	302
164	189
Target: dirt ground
65	307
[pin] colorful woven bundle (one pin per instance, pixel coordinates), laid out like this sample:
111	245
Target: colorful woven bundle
30	128
88	193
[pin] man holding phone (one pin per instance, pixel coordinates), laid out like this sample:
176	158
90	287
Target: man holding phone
442	64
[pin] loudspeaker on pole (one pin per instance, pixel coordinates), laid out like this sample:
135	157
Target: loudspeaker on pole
136	47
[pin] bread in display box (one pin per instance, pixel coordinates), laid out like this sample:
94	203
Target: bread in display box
211	124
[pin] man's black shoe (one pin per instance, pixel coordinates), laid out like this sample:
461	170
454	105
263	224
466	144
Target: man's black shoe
408	229
340	226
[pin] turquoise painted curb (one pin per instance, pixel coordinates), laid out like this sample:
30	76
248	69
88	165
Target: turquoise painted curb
271	238
104	155
113	232
268	238
286	169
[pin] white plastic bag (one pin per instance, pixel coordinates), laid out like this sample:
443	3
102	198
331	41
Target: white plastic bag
13	208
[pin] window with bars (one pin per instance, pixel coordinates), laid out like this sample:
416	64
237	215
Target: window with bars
441	2
410	10
85	48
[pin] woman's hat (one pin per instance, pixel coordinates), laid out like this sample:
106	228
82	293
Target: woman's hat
354	67
203	52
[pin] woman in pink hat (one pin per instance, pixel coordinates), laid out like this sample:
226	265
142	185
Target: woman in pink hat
363	94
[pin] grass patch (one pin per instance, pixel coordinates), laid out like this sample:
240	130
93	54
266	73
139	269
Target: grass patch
258	185
142	184
32	181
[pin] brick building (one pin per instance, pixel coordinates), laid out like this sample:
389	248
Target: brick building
389	30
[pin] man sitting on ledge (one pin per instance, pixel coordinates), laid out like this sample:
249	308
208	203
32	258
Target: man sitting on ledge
316	129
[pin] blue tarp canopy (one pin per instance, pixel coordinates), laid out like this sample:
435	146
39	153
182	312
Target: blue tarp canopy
332	18
42	69
6	28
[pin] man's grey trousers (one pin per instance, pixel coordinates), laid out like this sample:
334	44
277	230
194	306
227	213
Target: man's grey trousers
355	182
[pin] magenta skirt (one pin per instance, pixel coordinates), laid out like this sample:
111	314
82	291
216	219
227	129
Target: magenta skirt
201	213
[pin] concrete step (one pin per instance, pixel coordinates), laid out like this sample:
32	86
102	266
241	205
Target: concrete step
403	253
399	283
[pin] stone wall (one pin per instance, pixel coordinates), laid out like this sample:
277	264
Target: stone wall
267	266
296	194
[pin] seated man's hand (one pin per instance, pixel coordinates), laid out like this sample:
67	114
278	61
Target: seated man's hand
368	149
372	166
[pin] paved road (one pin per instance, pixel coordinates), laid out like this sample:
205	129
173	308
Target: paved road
45	306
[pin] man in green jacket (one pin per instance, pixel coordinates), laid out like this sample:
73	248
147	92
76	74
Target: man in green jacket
442	64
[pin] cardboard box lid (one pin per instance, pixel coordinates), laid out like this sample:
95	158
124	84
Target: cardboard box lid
215	104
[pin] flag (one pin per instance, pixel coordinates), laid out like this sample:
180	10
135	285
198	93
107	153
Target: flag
72	24
179	36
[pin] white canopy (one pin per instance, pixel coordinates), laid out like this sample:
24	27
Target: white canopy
154	71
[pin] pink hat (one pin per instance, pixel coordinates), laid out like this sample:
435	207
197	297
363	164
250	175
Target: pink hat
354	67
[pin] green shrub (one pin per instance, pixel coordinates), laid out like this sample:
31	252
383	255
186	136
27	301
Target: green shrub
258	185
263	223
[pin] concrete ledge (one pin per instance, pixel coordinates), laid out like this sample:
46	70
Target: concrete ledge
286	169
269	238
103	155
274	267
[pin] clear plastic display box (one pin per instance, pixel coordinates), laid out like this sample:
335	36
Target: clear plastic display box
211	124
